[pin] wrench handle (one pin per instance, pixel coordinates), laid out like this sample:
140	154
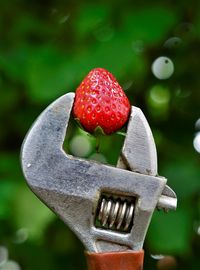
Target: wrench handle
129	260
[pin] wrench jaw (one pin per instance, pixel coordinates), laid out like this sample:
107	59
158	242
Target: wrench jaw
139	150
45	139
72	187
139	155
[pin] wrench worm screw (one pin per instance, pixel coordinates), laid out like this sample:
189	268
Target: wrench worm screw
116	214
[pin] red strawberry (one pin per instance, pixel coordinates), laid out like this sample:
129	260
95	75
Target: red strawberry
100	103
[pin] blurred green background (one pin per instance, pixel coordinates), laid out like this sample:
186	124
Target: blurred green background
46	49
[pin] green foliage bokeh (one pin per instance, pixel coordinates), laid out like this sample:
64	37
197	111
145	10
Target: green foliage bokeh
46	49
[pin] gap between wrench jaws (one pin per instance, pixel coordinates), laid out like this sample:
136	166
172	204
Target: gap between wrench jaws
72	187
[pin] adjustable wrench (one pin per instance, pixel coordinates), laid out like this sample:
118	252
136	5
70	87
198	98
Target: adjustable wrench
108	208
